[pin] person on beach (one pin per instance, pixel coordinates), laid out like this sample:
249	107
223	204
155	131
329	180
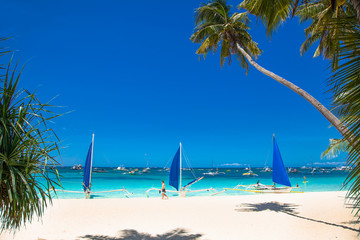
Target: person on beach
163	191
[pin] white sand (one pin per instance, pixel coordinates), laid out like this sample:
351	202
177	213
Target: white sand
321	215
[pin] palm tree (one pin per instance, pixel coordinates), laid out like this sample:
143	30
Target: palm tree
215	26
28	149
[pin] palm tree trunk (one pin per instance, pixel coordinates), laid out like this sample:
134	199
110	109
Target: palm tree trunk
356	5
321	108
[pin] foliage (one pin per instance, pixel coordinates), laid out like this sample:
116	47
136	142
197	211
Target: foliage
335	147
27	153
272	15
215	26
345	85
321	31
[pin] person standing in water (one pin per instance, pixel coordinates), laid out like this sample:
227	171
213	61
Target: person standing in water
163	191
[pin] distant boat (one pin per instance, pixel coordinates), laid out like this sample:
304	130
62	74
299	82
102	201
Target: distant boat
279	177
147	169
213	173
292	170
77	167
249	172
99	170
266	169
121	168
175	177
342	168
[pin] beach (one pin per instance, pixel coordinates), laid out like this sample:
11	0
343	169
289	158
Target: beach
315	215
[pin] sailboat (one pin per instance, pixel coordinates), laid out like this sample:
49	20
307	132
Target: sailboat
87	177
212	173
279	176
147	169
87	174
175	177
88	170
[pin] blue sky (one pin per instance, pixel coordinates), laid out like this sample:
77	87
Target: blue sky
129	73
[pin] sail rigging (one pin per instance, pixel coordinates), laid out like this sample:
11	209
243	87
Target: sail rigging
175	177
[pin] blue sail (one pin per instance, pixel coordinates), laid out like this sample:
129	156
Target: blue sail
175	171
279	172
87	170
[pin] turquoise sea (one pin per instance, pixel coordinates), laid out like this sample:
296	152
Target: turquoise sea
327	179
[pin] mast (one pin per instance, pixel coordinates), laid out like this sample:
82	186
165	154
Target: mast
180	167
92	154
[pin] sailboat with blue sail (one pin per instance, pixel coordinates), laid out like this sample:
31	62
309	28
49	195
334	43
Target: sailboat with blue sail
176	177
86	184
279	176
88	170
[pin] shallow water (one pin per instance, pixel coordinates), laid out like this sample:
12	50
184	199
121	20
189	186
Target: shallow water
113	179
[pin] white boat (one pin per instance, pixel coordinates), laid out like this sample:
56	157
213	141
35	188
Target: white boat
279	177
147	169
266	169
175	178
213	173
342	168
77	167
121	168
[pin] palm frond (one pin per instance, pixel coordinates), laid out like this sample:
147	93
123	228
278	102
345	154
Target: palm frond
345	85
271	14
335	147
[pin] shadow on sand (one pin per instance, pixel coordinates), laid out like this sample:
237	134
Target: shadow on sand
286	208
130	234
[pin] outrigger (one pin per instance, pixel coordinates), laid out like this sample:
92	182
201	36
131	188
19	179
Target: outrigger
175	178
279	176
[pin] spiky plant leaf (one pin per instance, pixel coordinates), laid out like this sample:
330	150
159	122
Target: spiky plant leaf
28	150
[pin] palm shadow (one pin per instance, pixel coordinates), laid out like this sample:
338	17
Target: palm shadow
131	234
286	208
